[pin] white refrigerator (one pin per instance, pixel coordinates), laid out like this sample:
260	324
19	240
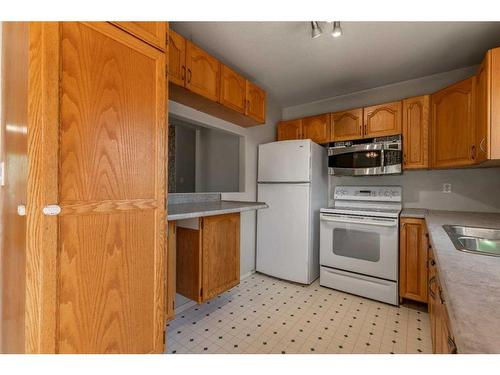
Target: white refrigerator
292	181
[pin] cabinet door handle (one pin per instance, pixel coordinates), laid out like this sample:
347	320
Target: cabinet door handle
431	292
473	152
441	296
432	262
481	144
183	73
189	76
452	347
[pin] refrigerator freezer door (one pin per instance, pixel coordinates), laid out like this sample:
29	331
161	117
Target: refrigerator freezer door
283	232
285	161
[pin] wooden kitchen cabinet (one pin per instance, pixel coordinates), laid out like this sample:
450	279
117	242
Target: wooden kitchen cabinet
255	102
487	107
176	58
347	125
416	132
208	256
232	89
382	120
202	72
316	128
154	33
288	130
171	271
443	341
94	271
200	81
413	246
452	130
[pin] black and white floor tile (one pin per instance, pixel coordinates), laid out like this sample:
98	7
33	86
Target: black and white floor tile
267	315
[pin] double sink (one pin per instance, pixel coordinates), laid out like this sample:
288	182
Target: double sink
475	240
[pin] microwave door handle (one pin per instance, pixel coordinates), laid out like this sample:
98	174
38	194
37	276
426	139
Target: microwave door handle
382	160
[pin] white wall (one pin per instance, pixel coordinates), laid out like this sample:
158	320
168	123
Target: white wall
252	138
475	190
388	93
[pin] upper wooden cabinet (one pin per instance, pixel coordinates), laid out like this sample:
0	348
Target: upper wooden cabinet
290	130
202	72
413	259
154	33
487	109
200	81
232	89
347	125
452	114
383	119
316	128
416	132
255	102
176	58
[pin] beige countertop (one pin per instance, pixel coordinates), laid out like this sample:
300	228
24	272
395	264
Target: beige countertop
470	282
179	211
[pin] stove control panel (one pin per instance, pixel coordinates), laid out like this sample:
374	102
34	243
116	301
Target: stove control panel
368	193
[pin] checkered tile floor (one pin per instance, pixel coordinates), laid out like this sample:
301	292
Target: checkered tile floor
267	315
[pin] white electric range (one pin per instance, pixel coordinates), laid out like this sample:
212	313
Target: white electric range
359	242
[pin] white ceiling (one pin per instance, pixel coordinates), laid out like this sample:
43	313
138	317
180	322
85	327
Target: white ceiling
295	69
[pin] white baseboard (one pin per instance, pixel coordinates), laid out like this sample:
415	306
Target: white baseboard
248	274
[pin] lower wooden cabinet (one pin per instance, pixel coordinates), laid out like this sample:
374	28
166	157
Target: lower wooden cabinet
208	256
413	260
442	336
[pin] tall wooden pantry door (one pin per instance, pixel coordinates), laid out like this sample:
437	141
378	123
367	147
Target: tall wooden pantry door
109	173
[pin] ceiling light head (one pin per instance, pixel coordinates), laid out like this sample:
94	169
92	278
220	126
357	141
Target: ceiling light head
315	29
337	30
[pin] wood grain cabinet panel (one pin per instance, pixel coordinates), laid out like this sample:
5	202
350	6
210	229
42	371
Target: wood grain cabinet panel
487	102
208	258
256	102
416	132
288	130
176	58
452	111
347	125
316	128
203	72
413	260
171	270
232	89
221	253
112	150
154	33
382	120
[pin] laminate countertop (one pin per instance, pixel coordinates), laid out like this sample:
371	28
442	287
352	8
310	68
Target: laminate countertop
470	282
179	211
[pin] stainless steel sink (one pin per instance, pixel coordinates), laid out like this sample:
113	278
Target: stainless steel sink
484	241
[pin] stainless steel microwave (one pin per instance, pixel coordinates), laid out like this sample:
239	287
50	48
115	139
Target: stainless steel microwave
377	156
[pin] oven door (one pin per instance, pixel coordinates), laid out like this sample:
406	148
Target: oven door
365	245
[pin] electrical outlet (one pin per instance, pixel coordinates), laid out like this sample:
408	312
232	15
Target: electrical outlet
447	188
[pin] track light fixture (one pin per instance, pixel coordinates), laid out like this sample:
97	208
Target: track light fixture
315	29
337	30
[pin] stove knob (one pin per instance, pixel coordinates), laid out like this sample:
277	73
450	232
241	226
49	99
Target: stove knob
386	194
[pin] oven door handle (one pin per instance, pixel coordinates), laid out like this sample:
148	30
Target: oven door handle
356	220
